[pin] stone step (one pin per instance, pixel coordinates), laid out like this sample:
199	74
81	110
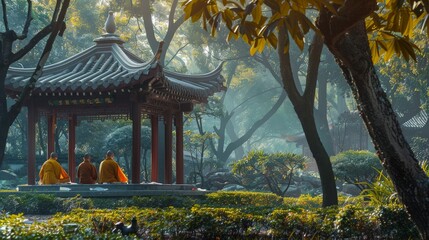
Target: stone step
105	187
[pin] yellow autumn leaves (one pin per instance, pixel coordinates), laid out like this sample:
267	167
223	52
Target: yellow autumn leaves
390	27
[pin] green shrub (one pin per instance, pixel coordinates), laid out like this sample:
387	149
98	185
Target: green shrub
203	222
41	204
240	199
394	222
295	224
268	172
352	221
163	201
355	167
303	201
68	204
30	204
307	201
226	223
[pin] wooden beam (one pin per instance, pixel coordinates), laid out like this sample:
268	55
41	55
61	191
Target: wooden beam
154	148
137	124
186	107
179	148
72	146
31	141
168	149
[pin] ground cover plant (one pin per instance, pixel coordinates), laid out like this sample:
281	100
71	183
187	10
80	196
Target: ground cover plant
220	215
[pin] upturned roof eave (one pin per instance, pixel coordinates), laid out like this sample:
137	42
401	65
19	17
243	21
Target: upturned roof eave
136	71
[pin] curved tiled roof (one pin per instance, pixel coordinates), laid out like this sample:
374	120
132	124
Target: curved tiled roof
109	66
103	66
195	86
418	121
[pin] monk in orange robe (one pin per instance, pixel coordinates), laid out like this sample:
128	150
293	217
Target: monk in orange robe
110	171
52	172
86	171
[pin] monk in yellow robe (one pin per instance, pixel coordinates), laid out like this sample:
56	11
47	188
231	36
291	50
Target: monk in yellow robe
110	171
52	172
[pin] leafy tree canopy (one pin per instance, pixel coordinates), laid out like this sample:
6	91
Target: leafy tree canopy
390	27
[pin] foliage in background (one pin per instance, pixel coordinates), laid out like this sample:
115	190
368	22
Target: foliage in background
273	172
356	167
200	159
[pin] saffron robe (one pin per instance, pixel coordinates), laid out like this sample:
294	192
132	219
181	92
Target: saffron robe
87	173
110	172
51	172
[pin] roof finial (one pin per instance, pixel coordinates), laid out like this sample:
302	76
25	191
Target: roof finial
109	25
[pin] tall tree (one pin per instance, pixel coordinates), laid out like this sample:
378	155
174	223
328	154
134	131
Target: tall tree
302	99
343	27
351	48
8	56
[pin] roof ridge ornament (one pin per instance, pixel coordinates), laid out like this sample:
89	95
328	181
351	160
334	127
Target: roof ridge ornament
109	25
109	28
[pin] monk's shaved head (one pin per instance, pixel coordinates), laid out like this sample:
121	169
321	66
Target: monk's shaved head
109	153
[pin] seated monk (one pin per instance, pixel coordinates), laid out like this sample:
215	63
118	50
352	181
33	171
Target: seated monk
86	171
110	171
52	172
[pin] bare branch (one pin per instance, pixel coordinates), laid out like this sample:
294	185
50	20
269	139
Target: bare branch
138	25
263	59
6	24
254	96
27	21
30	45
172	11
315	52
149	26
233	145
179	22
175	54
58	28
56	10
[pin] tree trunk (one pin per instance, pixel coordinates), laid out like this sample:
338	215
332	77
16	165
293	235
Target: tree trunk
4	129
320	154
230	130
321	114
354	57
304	107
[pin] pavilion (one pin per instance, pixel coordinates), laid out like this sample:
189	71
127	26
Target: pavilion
107	81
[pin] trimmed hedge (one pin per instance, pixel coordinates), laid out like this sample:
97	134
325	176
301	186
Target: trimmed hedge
242	215
202	222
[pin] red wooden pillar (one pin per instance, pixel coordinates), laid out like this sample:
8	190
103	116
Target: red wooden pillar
154	148
31	141
179	148
52	122
72	146
168	149
137	123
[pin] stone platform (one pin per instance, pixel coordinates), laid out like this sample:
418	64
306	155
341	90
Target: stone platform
113	190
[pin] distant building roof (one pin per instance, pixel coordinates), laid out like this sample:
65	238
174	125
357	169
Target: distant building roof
418	121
